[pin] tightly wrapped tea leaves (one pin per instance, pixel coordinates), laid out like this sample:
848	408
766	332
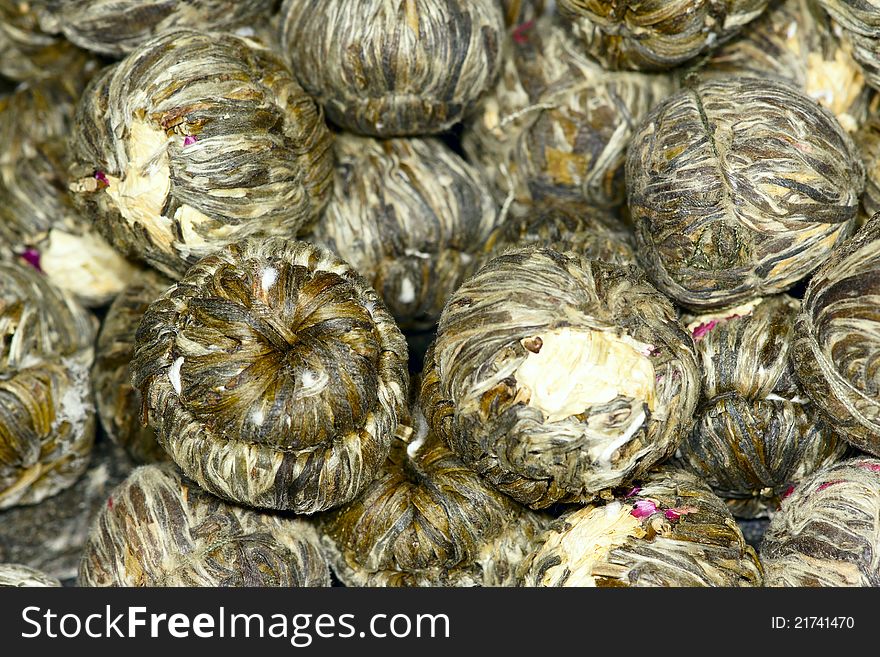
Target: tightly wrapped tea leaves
27	53
860	21
15	575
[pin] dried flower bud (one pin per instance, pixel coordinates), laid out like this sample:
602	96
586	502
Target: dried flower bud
556	127
603	395
274	375
826	533
655	34
739	188
261	162
47	422
411	216
860	20
673	531
837	339
15	575
157	529
384	68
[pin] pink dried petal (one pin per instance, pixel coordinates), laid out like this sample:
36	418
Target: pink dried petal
643	509
703	329
635	491
788	491
32	257
101	177
520	33
677	512
829	483
110	502
190	140
873	467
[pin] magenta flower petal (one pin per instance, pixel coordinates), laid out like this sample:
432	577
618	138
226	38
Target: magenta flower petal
101	177
190	140
788	491
32	257
703	329
634	491
829	483
643	509
677	512
873	467
520	34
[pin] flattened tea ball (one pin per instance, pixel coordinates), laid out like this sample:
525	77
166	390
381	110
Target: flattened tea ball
158	529
555	376
837	339
394	67
738	188
411	216
194	141
667	530
655	34
47	420
826	533
273	375
860	20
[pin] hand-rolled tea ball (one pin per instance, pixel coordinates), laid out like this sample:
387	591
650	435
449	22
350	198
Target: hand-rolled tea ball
38	223
158	529
837	339
668	530
795	41
826	533
16	575
50	536
655	34
411	216
413	67
273	375
116	27
196	140
47	421
119	404
557	125
428	520
860	21
555	376
739	188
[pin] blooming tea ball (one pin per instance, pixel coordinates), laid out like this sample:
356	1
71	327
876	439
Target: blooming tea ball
860	22
273	375
158	529
16	575
655	34
196	140
557	125
47	422
739	188
411	216
116	27
826	533
668	530
382	68
837	339
555	377
119	404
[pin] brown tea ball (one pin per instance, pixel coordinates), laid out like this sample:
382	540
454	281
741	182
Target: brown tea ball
47	421
273	375
826	533
739	188
555	377
116	27
795	41
428	520
860	21
158	529
411	216
667	530
16	575
655	34
412	67
557	125
28	53
119	404
38	222
837	339
196	140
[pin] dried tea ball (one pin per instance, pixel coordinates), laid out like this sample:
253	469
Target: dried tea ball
669	530
826	533
410	67
38	222
860	22
517	12
411	216
428	520
739	188
157	529
557	125
837	339
16	575
51	535
556	377
47	421
116	27
196	140
273	375
795	41
119	404
655	34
